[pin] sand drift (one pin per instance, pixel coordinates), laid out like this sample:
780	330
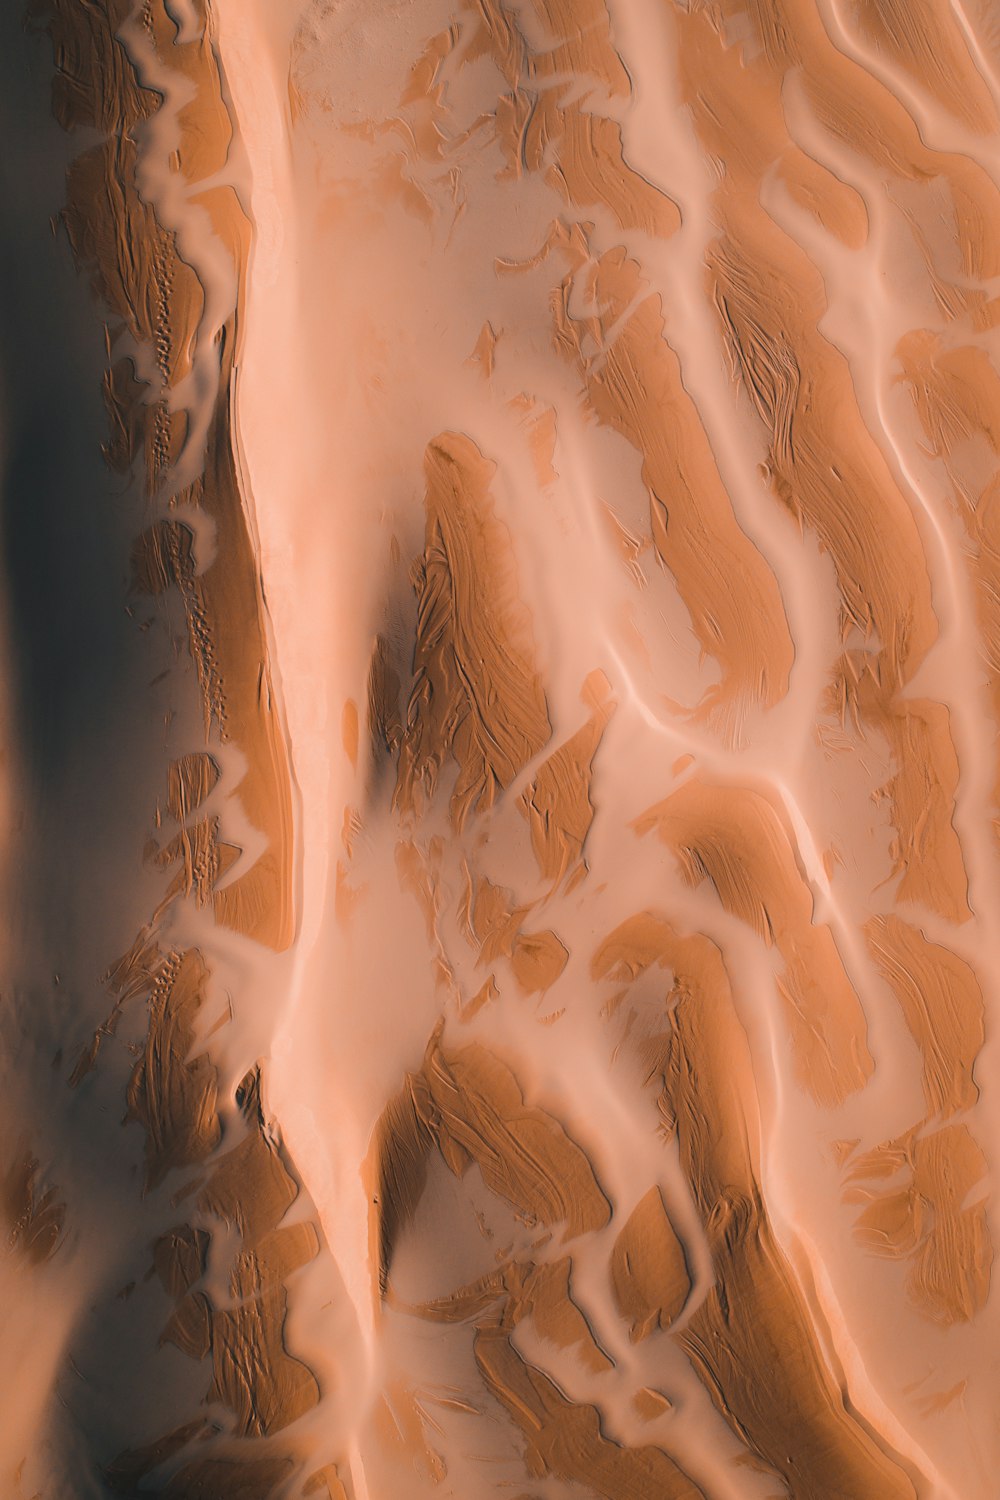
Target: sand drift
499	787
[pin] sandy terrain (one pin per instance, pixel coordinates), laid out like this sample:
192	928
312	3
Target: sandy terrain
499	796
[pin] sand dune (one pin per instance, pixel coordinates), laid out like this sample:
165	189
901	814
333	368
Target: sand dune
500	803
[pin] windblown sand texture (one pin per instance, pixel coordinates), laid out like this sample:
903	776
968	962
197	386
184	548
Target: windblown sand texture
499	793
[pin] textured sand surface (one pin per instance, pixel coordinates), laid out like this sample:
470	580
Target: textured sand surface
499	788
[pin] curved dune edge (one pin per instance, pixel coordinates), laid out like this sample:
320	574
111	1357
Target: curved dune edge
237	1177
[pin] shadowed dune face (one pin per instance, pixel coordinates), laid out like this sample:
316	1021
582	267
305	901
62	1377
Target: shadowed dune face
499	792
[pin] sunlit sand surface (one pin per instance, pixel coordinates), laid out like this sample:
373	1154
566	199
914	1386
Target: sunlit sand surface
499	785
